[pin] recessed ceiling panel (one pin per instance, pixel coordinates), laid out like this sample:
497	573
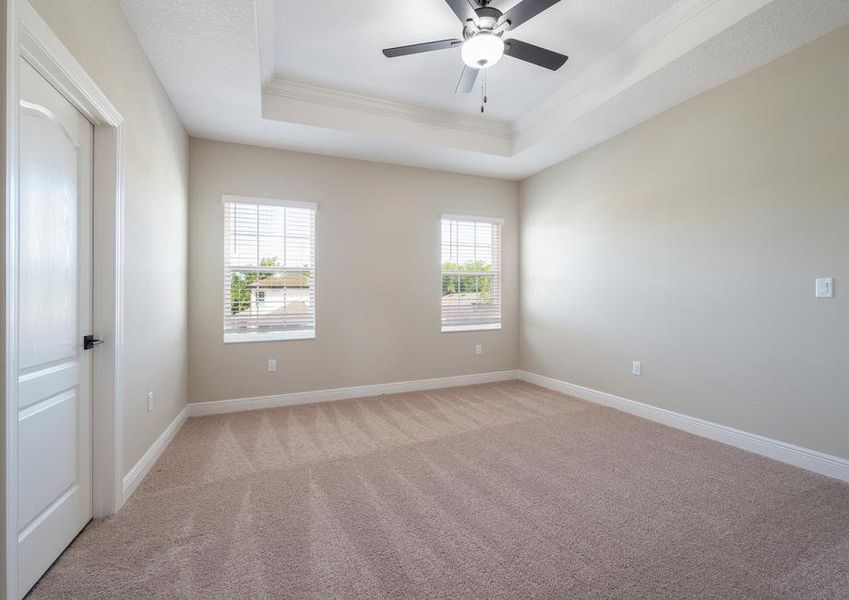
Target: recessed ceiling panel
337	44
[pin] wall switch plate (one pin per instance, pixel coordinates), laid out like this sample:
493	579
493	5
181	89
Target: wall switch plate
825	287
150	402
637	368
272	364
478	349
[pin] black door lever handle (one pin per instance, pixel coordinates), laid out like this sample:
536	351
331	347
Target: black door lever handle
89	342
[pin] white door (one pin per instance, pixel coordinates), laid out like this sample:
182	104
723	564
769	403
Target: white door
54	313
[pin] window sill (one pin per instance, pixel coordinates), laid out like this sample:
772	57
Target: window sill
456	328
272	336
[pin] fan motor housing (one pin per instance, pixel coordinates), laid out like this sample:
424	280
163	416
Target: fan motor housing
487	20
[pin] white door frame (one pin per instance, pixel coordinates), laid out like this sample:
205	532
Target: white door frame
28	36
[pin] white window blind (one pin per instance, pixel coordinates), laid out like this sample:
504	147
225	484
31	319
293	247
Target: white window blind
471	273
269	269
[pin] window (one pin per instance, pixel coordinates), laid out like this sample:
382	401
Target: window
269	270
471	273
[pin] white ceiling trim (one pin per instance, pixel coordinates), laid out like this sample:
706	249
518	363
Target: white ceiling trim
388	108
322	107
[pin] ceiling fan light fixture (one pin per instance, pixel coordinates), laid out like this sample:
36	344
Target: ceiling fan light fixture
482	50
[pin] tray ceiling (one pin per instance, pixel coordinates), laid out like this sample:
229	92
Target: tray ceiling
309	76
337	45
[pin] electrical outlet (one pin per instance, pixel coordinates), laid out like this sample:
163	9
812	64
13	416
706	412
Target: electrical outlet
150	402
825	287
478	349
272	364
637	368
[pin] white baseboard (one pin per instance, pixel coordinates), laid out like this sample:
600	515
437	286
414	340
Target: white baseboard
812	460
149	458
217	407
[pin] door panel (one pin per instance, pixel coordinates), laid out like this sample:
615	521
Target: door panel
54	312
38	385
48	240
53	458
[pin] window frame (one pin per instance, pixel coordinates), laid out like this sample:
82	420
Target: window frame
243	337
499	221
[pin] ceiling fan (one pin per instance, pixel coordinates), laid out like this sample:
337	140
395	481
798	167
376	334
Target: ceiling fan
483	44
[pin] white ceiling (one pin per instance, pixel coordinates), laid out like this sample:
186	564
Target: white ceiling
337	43
309	76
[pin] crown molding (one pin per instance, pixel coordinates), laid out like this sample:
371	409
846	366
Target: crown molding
313	94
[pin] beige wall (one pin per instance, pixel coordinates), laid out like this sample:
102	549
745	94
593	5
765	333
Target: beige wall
156	146
377	273
692	242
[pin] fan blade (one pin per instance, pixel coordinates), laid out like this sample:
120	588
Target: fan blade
525	11
534	54
467	80
424	47
463	9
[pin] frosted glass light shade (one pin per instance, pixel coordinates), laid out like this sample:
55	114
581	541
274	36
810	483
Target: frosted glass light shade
482	51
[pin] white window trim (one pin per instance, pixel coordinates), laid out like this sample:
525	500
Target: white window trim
271	336
226	198
496	220
483	326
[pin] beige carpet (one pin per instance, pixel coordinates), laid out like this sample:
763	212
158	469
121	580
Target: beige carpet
495	491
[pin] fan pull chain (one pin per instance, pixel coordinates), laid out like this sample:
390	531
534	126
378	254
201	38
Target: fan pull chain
484	98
